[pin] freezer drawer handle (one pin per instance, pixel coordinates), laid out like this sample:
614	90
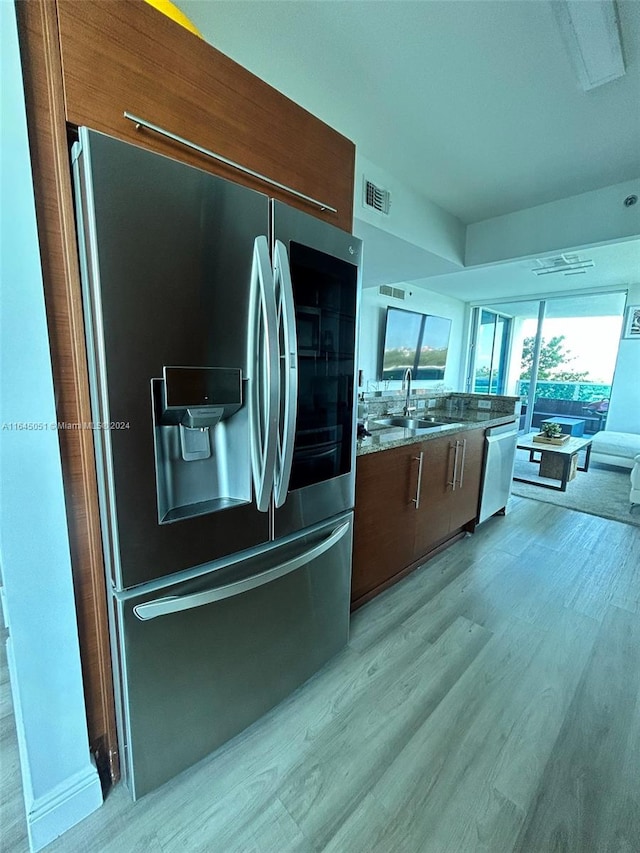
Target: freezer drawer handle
177	603
140	122
289	389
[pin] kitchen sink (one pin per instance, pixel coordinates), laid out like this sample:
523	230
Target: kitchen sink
410	423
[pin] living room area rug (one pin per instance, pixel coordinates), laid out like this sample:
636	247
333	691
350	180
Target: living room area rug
602	490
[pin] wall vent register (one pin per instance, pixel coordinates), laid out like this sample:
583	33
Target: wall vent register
395	292
377	198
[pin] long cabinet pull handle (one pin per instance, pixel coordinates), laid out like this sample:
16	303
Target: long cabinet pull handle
287	320
177	603
140	122
419	460
452	482
464	453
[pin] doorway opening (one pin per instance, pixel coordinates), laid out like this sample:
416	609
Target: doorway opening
558	354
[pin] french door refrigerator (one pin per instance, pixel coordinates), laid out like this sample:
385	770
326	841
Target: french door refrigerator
221	338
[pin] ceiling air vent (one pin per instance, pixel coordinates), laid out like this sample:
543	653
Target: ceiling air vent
376	198
566	264
396	292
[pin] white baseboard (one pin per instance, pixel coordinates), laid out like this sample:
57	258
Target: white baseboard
69	802
66	805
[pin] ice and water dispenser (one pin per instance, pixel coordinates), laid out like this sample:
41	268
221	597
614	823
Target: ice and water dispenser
201	439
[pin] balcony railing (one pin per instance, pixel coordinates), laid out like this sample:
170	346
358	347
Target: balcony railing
586	392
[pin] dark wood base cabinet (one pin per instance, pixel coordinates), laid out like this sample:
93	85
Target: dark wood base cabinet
411	502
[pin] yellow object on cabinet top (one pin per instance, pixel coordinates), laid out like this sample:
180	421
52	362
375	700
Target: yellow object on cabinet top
167	8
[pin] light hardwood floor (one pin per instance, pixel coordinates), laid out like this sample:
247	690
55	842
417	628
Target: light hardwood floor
488	702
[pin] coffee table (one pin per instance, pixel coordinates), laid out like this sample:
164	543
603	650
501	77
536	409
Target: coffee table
557	461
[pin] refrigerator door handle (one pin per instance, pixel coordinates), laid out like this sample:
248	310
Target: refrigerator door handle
289	357
264	387
177	603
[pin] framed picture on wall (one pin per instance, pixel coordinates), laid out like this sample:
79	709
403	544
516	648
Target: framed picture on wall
632	322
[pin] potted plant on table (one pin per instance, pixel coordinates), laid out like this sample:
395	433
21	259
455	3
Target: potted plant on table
551	430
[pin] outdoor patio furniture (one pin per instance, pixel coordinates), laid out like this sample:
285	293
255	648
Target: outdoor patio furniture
593	414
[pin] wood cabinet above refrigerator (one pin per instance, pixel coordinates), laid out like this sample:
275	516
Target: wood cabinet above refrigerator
126	57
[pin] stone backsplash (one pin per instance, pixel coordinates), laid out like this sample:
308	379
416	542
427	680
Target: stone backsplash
379	403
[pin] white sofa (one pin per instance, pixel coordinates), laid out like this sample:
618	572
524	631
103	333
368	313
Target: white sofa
634	496
615	448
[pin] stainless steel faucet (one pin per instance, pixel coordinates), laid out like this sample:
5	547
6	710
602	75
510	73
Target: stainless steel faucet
407	398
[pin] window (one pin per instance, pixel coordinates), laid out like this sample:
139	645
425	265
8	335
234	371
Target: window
492	337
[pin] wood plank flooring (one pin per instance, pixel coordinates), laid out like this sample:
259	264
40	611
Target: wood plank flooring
488	702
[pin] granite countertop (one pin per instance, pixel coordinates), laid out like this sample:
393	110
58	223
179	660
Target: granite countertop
384	438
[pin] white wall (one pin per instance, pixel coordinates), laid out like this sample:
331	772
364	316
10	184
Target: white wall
419	225
61	785
372	315
412	216
624	406
582	220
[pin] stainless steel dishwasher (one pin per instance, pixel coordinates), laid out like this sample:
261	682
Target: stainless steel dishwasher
499	459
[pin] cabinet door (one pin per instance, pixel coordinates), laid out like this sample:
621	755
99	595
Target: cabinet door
434	515
119	57
385	516
464	506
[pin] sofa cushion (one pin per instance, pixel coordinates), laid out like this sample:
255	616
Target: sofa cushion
610	443
634	494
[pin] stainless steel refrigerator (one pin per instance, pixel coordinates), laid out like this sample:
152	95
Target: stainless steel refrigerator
221	332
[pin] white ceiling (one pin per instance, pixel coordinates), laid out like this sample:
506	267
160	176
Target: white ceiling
474	104
388	259
609	304
615	266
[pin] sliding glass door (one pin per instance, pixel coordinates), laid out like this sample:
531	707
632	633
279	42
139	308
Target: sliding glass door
558	354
